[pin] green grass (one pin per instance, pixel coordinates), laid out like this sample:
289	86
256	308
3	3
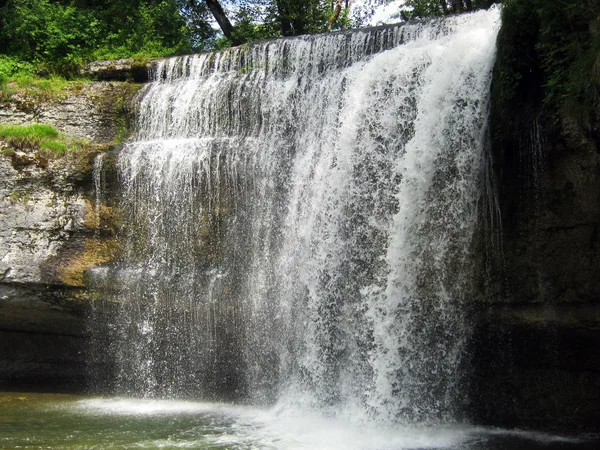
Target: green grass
28	86
148	52
19	79
55	146
38	136
37	131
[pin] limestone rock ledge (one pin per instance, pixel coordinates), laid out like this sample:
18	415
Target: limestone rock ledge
98	112
54	226
119	70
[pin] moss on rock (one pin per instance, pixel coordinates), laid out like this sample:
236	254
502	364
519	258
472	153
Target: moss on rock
95	252
102	218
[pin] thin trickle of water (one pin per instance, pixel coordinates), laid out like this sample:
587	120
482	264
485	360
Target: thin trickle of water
99	187
533	164
299	221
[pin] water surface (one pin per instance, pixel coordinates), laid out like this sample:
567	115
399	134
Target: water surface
62	421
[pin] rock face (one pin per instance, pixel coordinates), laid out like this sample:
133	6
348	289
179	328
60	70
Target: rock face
52	229
93	111
535	345
127	69
37	225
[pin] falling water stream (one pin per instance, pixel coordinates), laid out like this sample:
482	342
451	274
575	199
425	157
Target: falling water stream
299	222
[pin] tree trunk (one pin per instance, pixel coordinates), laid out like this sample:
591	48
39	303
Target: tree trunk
219	15
469	4
457	6
335	15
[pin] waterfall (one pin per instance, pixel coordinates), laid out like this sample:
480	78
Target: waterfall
300	219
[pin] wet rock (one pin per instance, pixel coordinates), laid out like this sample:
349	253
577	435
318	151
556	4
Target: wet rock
533	350
52	231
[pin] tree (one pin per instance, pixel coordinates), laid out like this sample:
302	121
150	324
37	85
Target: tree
418	9
62	34
271	18
301	17
337	10
221	18
198	19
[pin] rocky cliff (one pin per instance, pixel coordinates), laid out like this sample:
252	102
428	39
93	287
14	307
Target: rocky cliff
535	358
53	228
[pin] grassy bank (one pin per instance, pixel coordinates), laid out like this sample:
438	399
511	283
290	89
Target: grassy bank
40	137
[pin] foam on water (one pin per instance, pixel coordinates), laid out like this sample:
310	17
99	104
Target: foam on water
245	427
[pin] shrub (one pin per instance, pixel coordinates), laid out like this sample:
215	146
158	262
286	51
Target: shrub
11	67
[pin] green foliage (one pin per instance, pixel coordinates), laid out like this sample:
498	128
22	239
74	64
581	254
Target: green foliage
41	31
249	26
37	131
420	9
265	19
198	19
344	21
417	9
11	66
40	136
59	36
301	17
569	48
561	43
154	29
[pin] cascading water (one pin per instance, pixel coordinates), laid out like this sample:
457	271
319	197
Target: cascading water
299	221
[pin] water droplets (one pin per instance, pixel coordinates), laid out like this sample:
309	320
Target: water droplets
300	213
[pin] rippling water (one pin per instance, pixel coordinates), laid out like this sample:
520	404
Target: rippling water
59	421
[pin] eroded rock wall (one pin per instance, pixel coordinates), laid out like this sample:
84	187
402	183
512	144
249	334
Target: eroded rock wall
97	112
52	229
535	355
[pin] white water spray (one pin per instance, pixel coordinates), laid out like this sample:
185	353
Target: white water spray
300	216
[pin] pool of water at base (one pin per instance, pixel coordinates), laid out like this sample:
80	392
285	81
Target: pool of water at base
62	421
